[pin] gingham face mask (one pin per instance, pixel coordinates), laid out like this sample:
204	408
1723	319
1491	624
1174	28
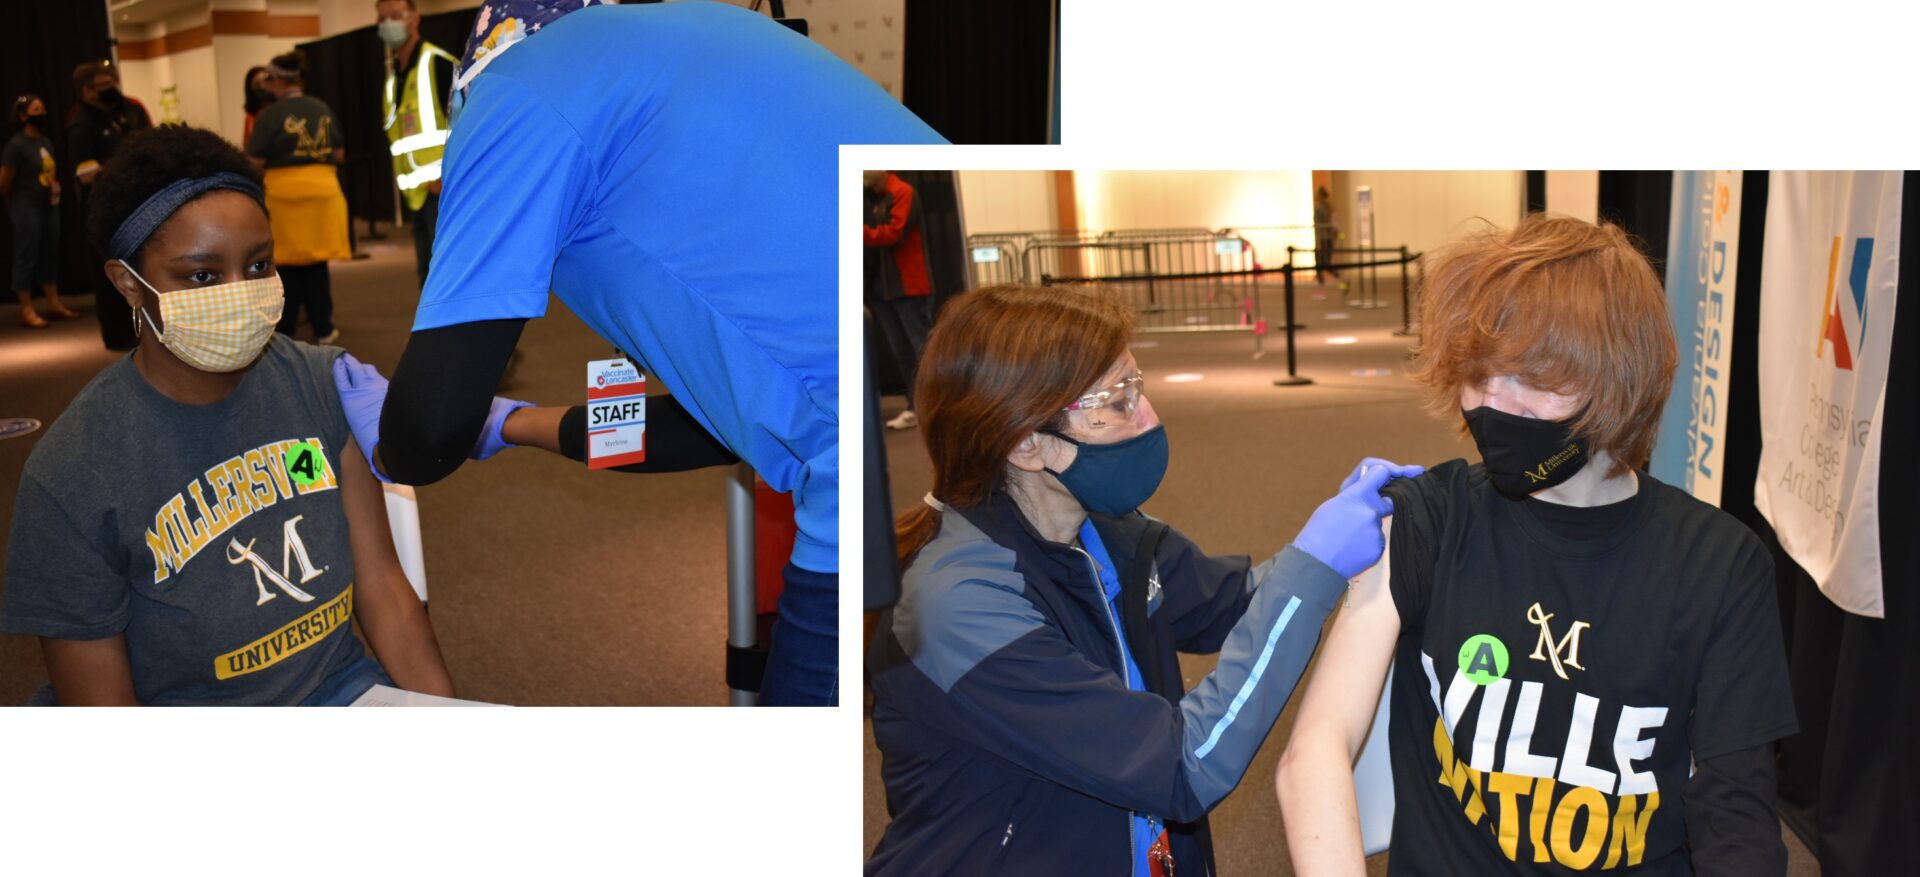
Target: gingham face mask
216	328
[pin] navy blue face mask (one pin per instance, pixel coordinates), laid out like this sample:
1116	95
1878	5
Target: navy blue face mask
1114	479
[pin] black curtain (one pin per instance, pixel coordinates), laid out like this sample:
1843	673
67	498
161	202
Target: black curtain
981	72
1847	779
1640	202
1536	191
347	71
41	41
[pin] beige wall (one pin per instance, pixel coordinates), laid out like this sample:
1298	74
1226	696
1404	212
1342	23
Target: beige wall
1007	201
1423	209
869	34
1574	193
208	79
1208	199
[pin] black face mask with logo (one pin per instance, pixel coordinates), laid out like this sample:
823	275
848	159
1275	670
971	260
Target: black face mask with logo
1524	455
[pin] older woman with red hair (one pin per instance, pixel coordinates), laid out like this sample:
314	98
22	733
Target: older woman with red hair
1587	663
1029	705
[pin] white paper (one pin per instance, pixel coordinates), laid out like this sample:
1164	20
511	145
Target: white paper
382	695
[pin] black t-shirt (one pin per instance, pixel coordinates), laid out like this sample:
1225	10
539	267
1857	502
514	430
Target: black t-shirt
95	133
1550	693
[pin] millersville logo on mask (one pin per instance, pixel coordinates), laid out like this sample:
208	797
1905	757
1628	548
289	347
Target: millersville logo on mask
1544	471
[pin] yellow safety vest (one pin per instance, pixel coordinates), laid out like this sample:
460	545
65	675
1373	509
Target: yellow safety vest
416	125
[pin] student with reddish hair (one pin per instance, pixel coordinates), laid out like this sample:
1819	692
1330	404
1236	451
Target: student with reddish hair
1587	665
1028	701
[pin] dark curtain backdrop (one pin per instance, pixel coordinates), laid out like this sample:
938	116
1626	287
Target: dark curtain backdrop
981	71
1640	202
41	41
1847	779
347	71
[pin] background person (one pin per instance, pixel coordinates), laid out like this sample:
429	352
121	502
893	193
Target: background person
101	119
1574	644
602	193
31	187
297	139
1028	702
899	289
258	97
1325	233
198	526
414	101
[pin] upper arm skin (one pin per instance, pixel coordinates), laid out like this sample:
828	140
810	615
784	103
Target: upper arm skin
90	672
1315	776
1342	695
390	613
375	562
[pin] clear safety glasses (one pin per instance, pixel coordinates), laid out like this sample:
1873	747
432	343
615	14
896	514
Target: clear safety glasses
1111	406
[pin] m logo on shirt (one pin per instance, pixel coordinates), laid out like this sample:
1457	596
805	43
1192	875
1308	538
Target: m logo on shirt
292	551
1552	651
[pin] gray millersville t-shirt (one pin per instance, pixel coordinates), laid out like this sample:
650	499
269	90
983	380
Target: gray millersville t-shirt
211	535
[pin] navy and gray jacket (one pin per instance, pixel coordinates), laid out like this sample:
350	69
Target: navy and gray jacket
1010	744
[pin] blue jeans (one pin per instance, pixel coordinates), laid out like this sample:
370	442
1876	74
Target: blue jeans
803	663
348	683
36	246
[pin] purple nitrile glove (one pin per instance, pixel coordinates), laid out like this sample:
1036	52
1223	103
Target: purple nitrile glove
490	442
362	392
1394	470
1344	532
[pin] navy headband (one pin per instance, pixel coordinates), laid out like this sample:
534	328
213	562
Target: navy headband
144	220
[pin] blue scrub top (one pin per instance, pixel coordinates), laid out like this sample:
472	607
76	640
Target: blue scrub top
669	171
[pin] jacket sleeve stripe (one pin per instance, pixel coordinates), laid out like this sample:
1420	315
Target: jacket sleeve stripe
1253	679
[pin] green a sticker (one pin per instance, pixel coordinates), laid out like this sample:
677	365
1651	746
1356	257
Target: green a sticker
1483	659
305	463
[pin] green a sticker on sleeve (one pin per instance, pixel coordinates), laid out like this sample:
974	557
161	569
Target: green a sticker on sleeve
1483	659
305	463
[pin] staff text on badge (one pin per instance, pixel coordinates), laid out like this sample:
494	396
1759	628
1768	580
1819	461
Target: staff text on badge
616	414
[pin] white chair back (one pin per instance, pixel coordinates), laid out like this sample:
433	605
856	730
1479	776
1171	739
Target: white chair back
403	517
1373	780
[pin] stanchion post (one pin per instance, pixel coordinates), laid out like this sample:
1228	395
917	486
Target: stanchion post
1293	379
742	597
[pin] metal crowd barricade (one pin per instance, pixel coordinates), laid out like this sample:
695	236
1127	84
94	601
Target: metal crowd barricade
995	259
1175	281
1000	257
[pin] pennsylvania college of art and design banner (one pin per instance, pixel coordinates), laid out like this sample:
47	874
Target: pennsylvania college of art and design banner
1827	281
1703	250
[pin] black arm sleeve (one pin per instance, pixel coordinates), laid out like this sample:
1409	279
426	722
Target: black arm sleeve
1732	825
675	441
438	400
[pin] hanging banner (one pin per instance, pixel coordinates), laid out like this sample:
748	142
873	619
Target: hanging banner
1703	250
1827	281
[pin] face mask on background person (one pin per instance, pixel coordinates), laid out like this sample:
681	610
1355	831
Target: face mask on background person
1114	479
393	32
258	99
1524	455
216	328
111	96
38	120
